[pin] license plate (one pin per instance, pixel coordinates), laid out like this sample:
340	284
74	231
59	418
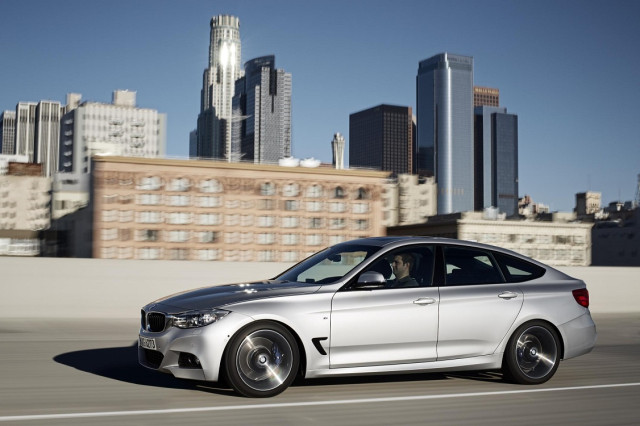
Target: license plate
147	343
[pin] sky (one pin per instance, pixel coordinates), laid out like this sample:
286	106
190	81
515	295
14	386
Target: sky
568	69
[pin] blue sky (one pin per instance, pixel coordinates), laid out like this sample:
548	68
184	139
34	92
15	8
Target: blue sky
569	69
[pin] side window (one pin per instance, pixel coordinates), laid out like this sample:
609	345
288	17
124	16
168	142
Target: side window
406	267
469	267
517	270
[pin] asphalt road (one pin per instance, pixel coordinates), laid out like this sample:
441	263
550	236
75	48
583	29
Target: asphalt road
65	372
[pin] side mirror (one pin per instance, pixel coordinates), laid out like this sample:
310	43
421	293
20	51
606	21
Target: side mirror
370	280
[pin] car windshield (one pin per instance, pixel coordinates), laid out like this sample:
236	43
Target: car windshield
329	265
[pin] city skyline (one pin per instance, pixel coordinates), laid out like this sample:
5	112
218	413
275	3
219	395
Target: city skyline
566	69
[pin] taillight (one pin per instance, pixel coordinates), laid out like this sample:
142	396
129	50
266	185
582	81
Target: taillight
582	296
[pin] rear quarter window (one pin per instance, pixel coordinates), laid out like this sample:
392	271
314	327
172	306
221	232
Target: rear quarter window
517	270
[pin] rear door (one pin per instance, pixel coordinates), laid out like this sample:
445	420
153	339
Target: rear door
477	307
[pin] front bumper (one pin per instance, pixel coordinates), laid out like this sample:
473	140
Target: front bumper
176	349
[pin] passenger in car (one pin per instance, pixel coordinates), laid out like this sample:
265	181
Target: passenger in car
402	265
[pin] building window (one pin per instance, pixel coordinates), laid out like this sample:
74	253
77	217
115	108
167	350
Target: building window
315	222
178	236
291	205
209	219
147	235
361	224
126	216
266	221
179	184
266	256
148	253
148	199
179	218
246	220
179	200
360	208
209	254
314	240
231	237
289	239
152	183
246	238
267	238
109	234
208	237
314	206
289	256
267	188
210	185
149	217
336	239
179	254
109	215
110	199
125	252
290	190
314	191
290	222
232	220
108	252
362	194
211	201
337	207
266	204
337	223
338	192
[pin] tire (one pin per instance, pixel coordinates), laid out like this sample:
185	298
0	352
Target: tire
532	355
262	360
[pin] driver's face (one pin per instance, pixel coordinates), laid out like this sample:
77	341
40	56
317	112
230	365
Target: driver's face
398	266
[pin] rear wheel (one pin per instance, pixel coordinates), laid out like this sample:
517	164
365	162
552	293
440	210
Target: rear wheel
532	355
262	360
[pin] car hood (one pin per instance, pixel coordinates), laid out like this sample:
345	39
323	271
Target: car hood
220	296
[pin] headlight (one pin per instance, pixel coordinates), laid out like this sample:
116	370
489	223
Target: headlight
192	319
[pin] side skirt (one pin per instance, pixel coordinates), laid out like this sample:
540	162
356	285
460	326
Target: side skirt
486	362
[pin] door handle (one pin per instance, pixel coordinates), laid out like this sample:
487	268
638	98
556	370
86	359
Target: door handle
508	295
424	301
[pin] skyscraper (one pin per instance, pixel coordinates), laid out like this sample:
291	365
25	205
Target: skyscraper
47	132
382	138
486	96
445	128
337	147
218	85
8	132
496	160
119	128
26	129
261	119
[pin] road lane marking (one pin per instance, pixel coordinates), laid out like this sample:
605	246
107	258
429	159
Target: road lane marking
302	404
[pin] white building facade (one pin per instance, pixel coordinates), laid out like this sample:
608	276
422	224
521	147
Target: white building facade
119	128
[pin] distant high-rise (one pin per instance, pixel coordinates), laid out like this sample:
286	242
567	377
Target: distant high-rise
218	86
26	129
47	132
486	96
119	128
337	147
496	159
445	128
8	132
261	119
382	138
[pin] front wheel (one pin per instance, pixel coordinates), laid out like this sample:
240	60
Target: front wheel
262	360
532	355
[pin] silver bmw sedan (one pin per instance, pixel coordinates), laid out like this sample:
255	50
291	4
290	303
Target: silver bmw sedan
375	306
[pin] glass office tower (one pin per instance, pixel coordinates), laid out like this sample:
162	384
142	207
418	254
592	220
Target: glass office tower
496	166
445	128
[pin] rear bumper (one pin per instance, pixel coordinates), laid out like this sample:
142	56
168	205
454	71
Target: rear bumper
579	336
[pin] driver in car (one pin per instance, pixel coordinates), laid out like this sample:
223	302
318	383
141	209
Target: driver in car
401	265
